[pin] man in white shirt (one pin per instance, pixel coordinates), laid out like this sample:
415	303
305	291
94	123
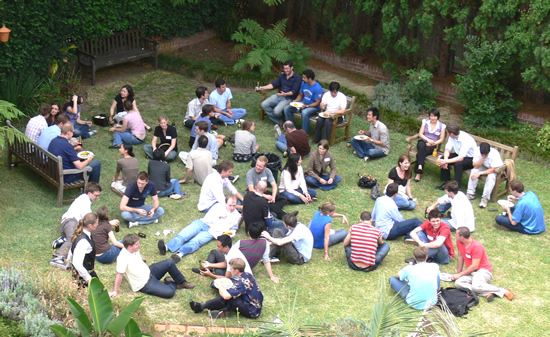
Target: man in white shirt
38	123
296	244
199	162
462	212
485	162
218	259
147	278
221	218
194	108
335	103
221	99
212	188
463	146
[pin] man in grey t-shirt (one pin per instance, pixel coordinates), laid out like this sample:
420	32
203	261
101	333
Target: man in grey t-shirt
261	172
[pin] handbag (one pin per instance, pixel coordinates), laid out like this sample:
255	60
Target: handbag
367	181
101	120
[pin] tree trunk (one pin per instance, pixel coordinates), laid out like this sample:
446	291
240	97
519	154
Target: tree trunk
290	14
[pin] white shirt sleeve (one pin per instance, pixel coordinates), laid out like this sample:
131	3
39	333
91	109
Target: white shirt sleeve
82	248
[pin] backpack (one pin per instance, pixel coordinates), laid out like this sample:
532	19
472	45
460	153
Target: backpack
367	181
457	300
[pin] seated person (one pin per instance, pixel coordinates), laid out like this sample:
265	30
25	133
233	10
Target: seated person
132	205
243	297
364	246
206	116
199	162
60	146
56	108
377	143
104	252
245	143
221	218
462	212
38	123
333	102
418	282
296	244
486	160
310	96
159	174
224	245
53	131
117	110
435	235
527	217
201	128
260	172
432	133
145	278
294	141
213	186
317	173
194	108
82	252
256	208
129	167
401	175
387	217
132	129
81	128
221	100
320	226
463	145
168	136
293	184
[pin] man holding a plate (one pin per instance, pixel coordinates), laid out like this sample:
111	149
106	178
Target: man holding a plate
376	142
308	100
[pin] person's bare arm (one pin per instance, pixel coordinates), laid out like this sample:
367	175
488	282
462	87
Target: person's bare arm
118	281
125	208
156	205
347	240
114	241
273	278
327	240
277	241
473	267
82	164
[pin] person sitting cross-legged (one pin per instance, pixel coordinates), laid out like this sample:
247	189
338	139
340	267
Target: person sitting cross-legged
294	141
132	205
527	217
221	100
377	142
199	162
317	171
462	212
296	245
435	235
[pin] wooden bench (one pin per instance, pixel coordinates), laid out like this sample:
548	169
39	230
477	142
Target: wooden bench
346	123
506	152
118	48
44	163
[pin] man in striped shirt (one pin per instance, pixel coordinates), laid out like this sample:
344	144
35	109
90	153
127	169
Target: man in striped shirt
365	248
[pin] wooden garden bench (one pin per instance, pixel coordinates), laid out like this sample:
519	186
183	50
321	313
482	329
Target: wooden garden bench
118	48
44	163
506	152
346	123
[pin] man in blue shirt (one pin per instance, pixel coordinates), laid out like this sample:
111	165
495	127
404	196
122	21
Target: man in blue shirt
388	219
289	85
221	100
52	131
527	216
310	96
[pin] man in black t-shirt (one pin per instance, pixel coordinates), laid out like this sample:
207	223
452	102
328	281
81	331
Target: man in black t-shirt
132	204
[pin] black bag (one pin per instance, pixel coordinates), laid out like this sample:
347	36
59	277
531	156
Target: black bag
374	193
458	300
101	120
231	139
274	162
367	181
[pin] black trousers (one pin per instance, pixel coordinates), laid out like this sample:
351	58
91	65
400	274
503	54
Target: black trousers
423	151
460	167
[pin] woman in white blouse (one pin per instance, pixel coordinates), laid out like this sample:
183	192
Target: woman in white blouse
293	184
432	133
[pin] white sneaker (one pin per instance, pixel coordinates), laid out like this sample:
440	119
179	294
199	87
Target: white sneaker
483	203
156	221
59	262
354	152
235	178
133	224
470	196
366	159
275	260
278	131
92	132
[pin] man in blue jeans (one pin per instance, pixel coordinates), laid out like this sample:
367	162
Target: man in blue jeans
375	143
387	217
221	100
527	217
364	246
147	278
132	204
435	235
289	85
310	96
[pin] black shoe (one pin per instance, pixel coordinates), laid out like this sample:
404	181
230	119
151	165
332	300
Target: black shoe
115	146
441	187
195	306
185	285
295	213
410	260
219	314
162	247
176	258
196	270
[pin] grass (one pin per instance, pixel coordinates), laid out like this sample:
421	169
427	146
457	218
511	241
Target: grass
327	290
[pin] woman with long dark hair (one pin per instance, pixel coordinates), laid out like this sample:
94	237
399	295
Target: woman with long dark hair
293	184
401	175
82	252
104	252
129	168
432	133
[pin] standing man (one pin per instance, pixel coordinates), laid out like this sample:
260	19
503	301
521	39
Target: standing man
132	204
310	96
463	146
194	108
435	235
486	160
294	141
364	246
289	84
213	186
199	161
462	212
221	99
478	272
145	278
527	216
377	142
260	172
38	123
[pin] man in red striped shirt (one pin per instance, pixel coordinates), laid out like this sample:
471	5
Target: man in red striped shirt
365	248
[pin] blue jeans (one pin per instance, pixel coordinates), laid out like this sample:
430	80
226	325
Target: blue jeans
381	253
505	221
157	288
238	113
281	143
109	256
273	224
191	238
314	182
306	113
81	130
404	204
440	255
148	148
365	149
175	188
403	288
92	176
143	219
273	107
337	237
444	208
293	199
125	137
403	228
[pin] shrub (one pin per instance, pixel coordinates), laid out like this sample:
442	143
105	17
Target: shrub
418	86
21	90
543	137
299	55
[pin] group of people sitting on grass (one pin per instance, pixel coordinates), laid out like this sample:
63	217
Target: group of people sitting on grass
274	233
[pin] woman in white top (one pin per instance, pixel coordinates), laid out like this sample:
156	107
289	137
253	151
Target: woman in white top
293	184
245	142
432	133
333	102
82	252
132	129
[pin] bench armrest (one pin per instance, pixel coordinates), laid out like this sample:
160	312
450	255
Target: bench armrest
77	171
265	92
500	169
85	53
411	139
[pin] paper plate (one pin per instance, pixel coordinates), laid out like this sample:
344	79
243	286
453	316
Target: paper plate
223	282
504	203
297	104
361	137
324	114
84	154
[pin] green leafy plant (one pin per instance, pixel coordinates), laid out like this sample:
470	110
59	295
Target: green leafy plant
103	317
543	137
299	55
8	111
259	46
21	90
419	87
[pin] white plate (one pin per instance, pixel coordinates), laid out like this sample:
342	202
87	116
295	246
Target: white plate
331	231
215	133
223	282
361	137
297	104
324	114
84	154
504	203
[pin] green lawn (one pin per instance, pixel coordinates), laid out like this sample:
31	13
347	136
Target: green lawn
327	290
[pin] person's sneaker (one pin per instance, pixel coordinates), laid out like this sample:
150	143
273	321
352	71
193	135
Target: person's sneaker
274	260
133	224
411	242
92	132
115	146
59	262
195	306
278	131
295	213
196	270
234	179
185	285
483	203
285	154
354	152
490	297
176	258
219	314
58	242
470	196
410	260
156	221
441	187
366	159
509	294
162	247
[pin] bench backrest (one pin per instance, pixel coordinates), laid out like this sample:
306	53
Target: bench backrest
506	151
116	43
